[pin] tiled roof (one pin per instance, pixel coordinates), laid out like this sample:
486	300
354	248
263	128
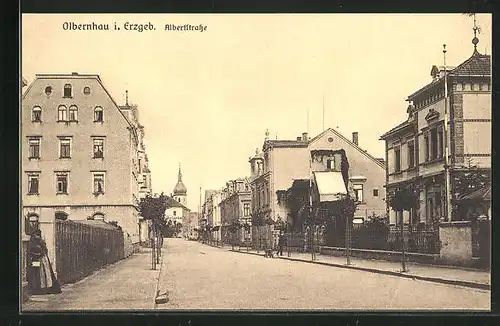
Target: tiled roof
174	203
286	143
477	65
397	128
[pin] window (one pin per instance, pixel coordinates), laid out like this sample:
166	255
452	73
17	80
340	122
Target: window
34	147
48	90
62	183
246	209
98	183
330	163
36	114
434	147
98	216
86	90
411	154
61	216
98	115
98	148
440	143
62	113
358	192
33	183
67	90
175	213
73	113
426	147
375	192
64	148
397	159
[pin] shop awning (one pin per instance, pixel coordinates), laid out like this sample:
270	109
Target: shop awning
479	194
331	186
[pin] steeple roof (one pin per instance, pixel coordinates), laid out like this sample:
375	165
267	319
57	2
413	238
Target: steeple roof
180	188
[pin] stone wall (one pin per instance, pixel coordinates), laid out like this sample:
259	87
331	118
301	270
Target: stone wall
456	242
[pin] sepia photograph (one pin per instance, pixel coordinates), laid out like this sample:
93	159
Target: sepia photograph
255	162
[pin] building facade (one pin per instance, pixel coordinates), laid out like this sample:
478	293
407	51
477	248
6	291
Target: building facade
79	155
235	208
285	161
415	149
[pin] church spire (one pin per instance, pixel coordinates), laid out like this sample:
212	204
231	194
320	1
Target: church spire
179	177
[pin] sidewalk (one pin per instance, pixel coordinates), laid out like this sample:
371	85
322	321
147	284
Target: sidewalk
440	274
127	284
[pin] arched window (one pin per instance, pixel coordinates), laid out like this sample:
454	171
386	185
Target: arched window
62	113
67	90
36	114
98	216
98	114
31	223
73	113
61	216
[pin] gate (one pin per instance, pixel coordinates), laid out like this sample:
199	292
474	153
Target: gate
481	241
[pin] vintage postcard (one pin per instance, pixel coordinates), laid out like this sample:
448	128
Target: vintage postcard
317	162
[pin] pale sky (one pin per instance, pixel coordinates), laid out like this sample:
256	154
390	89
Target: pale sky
206	98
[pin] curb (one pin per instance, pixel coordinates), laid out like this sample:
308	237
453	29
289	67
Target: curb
469	284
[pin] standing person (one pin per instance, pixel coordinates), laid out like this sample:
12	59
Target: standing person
281	243
41	277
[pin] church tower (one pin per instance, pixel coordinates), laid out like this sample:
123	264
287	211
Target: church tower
180	190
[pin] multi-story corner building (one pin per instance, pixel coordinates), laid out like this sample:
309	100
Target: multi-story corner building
143	173
287	161
235	207
79	154
415	149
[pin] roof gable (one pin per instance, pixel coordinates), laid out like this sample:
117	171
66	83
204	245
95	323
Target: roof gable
343	138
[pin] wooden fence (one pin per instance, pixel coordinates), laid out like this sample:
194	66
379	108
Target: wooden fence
82	248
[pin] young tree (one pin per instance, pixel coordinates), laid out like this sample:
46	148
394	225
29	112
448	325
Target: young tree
153	208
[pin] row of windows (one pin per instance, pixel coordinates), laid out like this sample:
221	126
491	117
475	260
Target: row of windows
433	149
67	90
62	183
65	114
65	146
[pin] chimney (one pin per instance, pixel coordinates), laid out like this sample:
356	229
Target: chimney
304	136
74	73
355	137
299	138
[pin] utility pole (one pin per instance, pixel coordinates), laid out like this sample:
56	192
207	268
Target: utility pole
446	141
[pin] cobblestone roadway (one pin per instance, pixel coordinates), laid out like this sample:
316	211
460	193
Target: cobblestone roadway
198	276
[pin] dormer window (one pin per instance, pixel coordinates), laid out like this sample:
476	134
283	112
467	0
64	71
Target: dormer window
68	92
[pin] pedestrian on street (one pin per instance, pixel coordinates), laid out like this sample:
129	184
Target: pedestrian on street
281	243
41	277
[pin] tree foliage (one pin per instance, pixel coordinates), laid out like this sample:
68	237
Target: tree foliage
404	198
153	207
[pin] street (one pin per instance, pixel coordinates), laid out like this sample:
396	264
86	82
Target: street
199	276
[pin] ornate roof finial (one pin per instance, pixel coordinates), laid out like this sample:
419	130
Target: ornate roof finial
126	97
256	151
267	134
477	30
179	177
